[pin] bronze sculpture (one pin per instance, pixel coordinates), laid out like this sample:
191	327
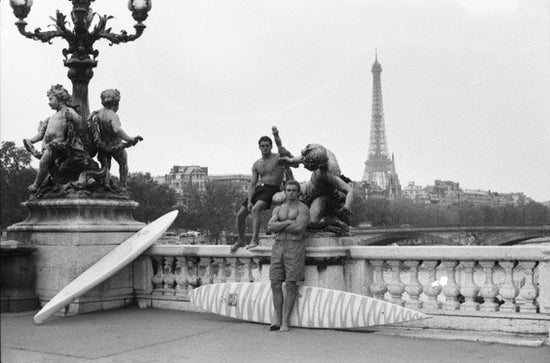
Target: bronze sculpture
63	155
107	136
327	193
69	145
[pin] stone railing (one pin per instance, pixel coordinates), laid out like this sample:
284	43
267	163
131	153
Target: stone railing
164	274
478	288
496	288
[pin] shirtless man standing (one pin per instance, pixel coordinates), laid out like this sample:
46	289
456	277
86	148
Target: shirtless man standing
267	176
110	135
54	133
288	254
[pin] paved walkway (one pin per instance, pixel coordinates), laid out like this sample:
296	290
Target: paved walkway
134	335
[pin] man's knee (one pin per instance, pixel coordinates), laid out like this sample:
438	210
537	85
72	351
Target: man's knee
291	286
276	285
242	213
258	208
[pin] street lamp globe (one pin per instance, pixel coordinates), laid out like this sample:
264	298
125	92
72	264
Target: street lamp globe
140	9
21	8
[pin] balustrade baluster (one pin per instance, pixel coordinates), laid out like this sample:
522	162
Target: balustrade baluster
413	288
158	277
508	291
233	270
220	272
528	291
182	281
169	278
379	286
246	264
432	288
205	271
452	288
255	269
396	287
469	289
192	273
489	290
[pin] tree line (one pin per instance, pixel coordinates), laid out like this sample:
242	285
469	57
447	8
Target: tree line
380	213
213	210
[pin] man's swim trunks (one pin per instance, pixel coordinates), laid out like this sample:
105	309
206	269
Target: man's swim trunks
288	261
263	192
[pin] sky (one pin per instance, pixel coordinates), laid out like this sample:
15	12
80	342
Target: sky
465	84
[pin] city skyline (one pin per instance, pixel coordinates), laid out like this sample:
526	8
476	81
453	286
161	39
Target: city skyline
465	85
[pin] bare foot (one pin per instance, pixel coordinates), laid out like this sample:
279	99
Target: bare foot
284	328
236	246
274	327
252	245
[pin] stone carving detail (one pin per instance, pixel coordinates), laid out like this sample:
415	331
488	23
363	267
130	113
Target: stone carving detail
413	288
431	288
451	289
379	286
489	290
469	289
528	291
396	287
508	291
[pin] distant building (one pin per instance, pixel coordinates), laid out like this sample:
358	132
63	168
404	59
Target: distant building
366	190
242	181
182	177
446	192
416	193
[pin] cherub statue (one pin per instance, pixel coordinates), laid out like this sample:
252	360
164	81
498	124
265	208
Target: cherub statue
62	156
328	193
108	137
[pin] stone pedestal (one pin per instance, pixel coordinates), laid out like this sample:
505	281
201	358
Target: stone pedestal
18	276
72	234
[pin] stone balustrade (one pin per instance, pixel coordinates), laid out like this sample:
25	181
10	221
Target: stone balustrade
166	273
491	279
480	288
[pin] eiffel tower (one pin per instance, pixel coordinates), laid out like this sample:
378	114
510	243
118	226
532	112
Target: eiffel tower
379	168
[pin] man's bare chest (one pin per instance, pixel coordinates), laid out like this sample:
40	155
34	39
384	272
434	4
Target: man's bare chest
267	166
288	213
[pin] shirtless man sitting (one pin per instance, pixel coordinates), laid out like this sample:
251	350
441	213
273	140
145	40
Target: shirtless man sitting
55	135
288	254
267	176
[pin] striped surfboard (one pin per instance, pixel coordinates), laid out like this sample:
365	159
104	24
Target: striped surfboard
315	307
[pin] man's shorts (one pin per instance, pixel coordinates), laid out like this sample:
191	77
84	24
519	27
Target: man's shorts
288	261
263	192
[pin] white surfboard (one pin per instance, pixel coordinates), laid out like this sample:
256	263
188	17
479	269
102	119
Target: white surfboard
106	267
315	307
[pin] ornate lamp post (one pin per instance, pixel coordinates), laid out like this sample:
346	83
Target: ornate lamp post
86	223
80	57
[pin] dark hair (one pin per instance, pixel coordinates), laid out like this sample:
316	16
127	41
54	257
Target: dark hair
293	182
265	138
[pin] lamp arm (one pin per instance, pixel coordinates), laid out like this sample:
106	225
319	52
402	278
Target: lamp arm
47	36
122	37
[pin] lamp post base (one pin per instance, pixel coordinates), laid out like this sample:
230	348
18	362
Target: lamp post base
70	235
